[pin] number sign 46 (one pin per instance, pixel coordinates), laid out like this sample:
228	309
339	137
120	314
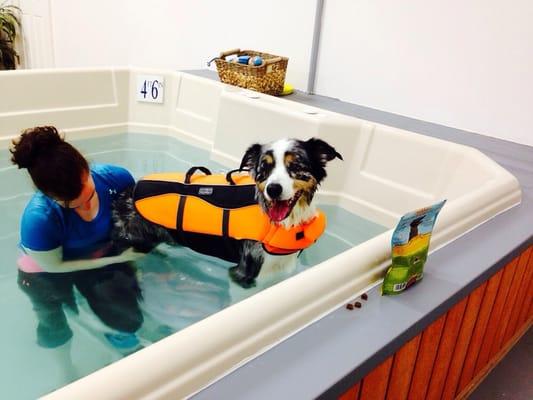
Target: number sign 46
150	88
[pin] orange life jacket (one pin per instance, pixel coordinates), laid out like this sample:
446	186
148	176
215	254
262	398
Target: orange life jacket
220	205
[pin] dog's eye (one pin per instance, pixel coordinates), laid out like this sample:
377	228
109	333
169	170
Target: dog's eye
296	166
303	176
265	165
263	170
298	170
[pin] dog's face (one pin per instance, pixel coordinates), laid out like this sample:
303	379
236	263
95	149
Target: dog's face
287	173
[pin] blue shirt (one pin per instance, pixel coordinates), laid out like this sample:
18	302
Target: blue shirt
46	225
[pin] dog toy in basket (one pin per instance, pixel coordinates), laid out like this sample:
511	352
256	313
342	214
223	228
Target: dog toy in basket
253	70
245	59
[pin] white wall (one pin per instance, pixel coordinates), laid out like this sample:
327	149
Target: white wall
180	34
465	64
193	32
90	33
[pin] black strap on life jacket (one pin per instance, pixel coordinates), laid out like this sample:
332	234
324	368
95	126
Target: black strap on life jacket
192	170
183	199
179	220
229	177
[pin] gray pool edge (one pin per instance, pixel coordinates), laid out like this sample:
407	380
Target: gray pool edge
328	357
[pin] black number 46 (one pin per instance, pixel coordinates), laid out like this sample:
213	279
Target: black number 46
154	88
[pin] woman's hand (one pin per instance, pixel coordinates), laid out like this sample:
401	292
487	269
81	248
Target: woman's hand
52	260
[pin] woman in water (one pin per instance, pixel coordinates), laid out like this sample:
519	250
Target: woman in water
65	236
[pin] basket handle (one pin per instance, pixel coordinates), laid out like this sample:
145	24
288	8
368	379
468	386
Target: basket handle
229	52
272	60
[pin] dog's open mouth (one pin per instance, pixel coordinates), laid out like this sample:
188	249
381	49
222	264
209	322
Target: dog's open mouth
278	210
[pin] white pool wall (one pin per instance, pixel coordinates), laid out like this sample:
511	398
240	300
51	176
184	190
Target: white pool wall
385	173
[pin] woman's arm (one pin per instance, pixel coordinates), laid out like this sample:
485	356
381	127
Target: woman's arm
52	260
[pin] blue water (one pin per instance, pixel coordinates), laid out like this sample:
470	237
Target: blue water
179	286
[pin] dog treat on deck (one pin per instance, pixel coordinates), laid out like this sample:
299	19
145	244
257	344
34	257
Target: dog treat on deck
410	244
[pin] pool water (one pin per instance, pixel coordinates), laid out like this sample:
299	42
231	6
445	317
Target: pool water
179	287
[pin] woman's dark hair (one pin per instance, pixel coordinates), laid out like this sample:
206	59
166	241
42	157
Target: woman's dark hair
55	166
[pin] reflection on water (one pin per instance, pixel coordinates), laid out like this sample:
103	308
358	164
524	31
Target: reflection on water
102	310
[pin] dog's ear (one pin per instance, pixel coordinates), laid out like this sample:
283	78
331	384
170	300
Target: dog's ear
251	157
321	151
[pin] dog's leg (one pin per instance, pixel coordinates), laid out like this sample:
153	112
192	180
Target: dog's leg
277	268
249	266
255	263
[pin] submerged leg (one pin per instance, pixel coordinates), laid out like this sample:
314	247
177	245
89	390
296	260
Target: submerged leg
249	266
113	293
48	293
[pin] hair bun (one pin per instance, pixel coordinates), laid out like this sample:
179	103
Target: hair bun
32	143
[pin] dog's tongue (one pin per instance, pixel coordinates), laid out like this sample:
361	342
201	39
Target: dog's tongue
278	210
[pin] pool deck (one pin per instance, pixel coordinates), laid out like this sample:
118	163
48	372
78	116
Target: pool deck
331	355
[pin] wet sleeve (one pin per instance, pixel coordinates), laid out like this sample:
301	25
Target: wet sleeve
39	231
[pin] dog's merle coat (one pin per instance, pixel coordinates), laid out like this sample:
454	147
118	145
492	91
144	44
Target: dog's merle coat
287	174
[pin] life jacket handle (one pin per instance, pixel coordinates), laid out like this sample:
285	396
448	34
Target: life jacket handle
192	170
229	177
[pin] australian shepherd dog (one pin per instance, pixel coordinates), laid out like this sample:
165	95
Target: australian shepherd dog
286	172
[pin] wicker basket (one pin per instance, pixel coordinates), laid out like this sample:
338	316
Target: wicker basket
266	78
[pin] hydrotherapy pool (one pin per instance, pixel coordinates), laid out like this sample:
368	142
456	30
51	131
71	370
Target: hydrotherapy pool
386	172
179	287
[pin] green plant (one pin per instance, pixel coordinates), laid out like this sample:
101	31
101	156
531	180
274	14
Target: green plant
9	28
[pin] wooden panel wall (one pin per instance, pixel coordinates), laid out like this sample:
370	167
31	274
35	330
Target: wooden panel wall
453	354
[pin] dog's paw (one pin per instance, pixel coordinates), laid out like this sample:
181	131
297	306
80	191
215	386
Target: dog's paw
236	274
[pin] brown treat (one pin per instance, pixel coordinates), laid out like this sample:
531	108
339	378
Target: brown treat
349	306
357	304
364	296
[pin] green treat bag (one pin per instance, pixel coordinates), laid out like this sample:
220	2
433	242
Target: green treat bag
410	245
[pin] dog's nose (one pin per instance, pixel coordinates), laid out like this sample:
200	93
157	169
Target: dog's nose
274	190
